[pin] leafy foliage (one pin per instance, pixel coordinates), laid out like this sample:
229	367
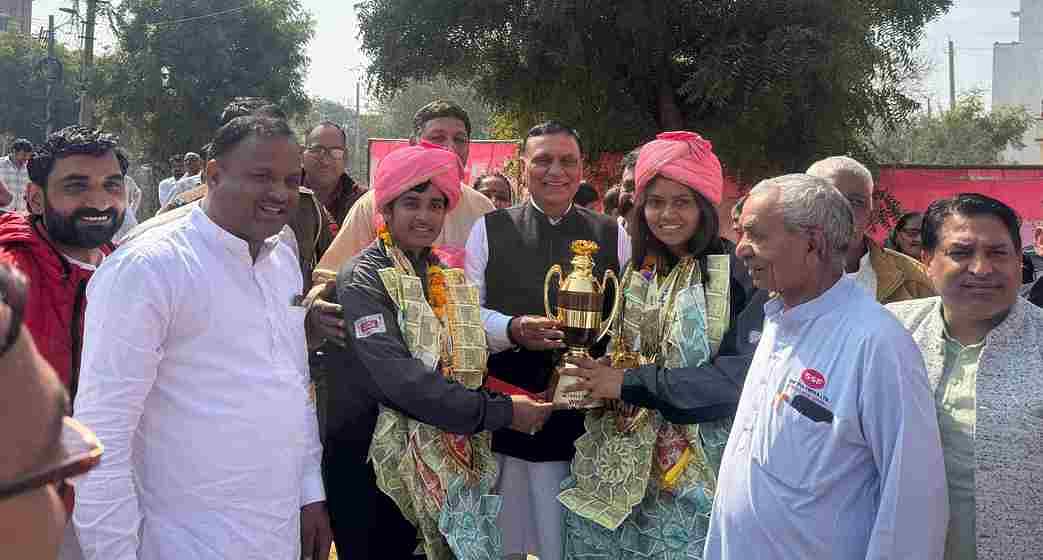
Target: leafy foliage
967	135
178	64
774	83
24	85
396	109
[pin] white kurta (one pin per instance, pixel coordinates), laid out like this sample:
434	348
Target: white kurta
195	378
869	483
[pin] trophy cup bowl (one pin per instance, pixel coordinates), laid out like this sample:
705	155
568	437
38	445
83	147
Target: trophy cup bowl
580	305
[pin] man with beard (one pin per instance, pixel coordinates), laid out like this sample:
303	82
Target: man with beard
77	200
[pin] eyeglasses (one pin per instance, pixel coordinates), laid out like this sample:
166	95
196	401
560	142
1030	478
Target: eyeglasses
323	151
81	451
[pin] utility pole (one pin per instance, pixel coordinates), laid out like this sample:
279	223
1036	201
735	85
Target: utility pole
952	76
86	101
358	128
51	76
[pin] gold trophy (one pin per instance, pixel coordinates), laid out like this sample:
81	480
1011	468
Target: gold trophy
580	304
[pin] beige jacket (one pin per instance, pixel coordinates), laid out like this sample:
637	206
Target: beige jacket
898	277
1009	429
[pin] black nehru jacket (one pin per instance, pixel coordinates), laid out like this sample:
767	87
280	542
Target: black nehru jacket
522	246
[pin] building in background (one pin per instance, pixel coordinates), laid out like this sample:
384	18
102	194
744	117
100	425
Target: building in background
16	16
1017	78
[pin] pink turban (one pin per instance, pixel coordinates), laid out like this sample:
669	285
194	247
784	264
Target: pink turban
408	167
684	157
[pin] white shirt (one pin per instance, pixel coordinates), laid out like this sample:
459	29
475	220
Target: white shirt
130	217
195	378
185	184
166	187
870	484
16	179
865	276
478	258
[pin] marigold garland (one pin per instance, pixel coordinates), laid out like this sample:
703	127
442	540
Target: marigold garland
437	295
385	236
437	286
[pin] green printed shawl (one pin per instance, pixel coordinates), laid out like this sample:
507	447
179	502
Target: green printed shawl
642	486
441	482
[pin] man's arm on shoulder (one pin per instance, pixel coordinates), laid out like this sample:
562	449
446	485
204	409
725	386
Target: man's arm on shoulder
404	382
899	422
125	328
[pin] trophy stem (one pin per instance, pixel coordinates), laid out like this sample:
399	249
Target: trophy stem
563	381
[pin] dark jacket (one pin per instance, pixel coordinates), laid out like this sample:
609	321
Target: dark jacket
523	245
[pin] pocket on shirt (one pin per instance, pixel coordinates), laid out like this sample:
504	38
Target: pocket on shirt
793	447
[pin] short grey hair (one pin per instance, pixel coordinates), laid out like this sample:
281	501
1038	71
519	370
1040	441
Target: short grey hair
810	203
841	165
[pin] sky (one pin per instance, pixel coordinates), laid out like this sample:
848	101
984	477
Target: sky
973	25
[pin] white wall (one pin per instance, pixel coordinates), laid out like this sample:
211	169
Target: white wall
1017	77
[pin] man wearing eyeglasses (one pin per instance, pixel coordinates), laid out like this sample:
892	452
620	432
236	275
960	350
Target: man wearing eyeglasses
325	173
887	275
42	446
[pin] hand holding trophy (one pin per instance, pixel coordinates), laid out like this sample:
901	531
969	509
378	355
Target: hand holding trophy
580	305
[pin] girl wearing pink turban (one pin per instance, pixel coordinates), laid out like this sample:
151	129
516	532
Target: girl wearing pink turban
683	292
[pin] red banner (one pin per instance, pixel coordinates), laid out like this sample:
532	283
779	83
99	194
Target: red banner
1020	187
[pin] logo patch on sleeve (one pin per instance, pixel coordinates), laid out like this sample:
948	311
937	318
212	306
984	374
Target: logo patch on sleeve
369	325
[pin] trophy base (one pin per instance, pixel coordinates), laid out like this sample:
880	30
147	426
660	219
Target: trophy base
564	395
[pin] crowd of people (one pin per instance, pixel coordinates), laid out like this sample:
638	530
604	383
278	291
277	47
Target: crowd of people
282	359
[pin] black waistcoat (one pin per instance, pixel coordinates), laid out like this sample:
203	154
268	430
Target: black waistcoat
522	246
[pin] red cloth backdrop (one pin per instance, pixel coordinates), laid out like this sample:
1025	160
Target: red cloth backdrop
485	155
1021	187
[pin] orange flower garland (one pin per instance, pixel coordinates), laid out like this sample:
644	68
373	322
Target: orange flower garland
437	295
385	236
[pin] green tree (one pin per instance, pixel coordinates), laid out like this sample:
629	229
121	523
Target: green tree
966	135
178	63
774	83
23	90
397	107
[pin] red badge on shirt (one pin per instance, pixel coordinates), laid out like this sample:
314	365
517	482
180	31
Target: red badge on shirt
813	379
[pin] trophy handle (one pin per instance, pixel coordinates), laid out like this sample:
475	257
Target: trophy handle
617	301
554	270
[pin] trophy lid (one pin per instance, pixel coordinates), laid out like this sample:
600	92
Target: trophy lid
584	248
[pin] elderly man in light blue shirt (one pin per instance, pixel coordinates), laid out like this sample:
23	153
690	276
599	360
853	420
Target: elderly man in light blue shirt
834	453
